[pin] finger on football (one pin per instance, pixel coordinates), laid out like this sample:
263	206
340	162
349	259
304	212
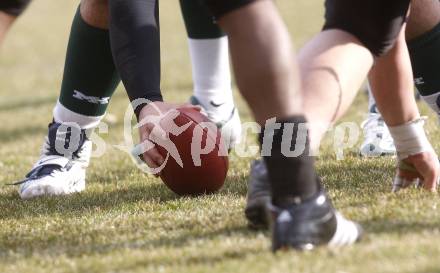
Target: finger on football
150	161
154	156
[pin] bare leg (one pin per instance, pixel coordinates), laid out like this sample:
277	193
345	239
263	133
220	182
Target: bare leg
331	77
423	36
268	79
425	14
6	22
266	74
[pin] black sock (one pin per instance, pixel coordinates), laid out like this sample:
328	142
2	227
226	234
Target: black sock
291	177
90	77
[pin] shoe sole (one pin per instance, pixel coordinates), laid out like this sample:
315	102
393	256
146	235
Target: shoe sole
303	247
49	190
383	154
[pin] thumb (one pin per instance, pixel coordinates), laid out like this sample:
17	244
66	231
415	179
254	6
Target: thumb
198	108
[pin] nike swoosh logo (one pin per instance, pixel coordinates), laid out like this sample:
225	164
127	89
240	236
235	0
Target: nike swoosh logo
42	161
215	104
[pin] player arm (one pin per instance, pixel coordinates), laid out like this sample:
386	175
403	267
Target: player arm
135	41
391	82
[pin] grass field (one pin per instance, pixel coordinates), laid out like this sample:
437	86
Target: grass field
126	221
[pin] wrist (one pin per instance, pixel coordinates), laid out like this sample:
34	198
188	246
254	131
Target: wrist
410	138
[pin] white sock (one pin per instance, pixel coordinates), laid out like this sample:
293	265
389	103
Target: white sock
212	76
433	102
62	114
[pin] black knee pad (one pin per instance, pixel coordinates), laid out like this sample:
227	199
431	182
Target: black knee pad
376	23
14	7
219	8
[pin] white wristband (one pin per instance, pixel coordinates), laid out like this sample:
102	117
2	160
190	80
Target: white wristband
410	138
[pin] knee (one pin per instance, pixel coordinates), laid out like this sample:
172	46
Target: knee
375	23
95	12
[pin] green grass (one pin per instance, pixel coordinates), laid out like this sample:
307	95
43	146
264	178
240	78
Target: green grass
128	222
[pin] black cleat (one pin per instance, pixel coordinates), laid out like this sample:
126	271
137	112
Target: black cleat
311	223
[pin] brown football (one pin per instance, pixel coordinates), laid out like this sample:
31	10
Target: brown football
203	157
